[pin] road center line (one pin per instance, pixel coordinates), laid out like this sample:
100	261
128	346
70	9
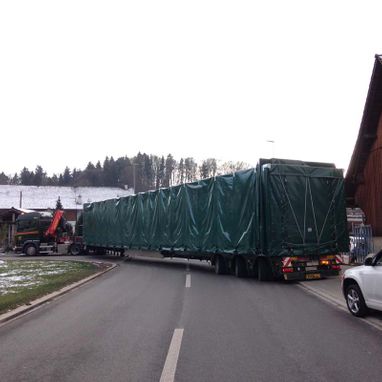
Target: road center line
188	281
168	373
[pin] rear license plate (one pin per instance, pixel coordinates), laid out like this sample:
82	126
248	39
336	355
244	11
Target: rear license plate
312	276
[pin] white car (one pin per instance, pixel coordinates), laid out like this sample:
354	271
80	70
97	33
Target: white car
362	286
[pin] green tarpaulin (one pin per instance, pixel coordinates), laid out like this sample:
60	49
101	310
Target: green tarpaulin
279	207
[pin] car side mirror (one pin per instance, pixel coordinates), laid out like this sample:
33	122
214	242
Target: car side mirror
368	261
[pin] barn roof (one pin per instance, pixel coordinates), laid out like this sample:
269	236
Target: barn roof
44	197
368	129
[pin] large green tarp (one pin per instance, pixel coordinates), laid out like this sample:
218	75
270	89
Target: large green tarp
212	215
303	210
280	207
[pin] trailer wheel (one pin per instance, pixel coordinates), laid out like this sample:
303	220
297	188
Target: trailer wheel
74	249
220	265
30	250
264	272
240	268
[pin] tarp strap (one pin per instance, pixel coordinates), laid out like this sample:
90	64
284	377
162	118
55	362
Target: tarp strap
306	195
291	207
330	207
294	245
314	211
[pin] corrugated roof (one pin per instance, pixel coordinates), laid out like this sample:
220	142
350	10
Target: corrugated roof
34	197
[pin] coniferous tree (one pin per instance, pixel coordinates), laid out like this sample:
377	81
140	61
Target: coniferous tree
66	177
53	180
15	180
203	170
148	173
4	179
145	171
59	204
39	178
26	177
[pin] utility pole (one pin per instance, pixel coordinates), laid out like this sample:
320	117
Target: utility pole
134	176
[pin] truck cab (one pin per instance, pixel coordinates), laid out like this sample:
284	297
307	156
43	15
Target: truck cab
41	233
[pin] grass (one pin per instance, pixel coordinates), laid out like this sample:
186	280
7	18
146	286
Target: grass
22	281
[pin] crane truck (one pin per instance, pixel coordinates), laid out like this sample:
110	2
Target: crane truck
45	233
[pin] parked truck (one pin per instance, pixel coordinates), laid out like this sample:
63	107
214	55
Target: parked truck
45	233
282	219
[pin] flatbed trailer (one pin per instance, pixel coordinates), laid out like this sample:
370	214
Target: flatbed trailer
282	219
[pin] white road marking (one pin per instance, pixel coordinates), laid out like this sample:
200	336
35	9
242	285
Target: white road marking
188	267
168	372
375	323
188	281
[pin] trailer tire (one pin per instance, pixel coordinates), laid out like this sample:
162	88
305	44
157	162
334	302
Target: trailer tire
75	249
264	271
220	265
240	267
30	250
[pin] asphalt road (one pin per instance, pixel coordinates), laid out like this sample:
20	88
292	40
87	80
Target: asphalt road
121	327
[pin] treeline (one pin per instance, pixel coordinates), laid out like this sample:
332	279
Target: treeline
142	172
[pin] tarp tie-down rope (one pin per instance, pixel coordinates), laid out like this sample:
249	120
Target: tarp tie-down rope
330	207
292	209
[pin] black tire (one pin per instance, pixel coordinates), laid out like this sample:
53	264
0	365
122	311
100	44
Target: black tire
30	250
355	301
220	265
75	249
240	268
264	271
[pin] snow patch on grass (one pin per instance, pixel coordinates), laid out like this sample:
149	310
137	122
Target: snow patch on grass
15	275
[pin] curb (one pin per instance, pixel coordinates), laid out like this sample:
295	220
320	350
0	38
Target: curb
24	309
323	296
372	321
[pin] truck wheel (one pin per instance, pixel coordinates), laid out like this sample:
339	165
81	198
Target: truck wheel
264	272
240	267
74	249
355	301
220	265
30	250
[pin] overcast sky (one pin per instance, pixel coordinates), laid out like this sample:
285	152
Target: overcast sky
80	80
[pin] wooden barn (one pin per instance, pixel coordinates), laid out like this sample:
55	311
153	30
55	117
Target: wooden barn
364	175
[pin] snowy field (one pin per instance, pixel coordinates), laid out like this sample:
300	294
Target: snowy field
23	274
22	281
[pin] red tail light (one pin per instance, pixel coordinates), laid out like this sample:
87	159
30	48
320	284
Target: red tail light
287	270
336	267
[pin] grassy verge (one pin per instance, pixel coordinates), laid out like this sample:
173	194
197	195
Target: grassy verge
27	280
